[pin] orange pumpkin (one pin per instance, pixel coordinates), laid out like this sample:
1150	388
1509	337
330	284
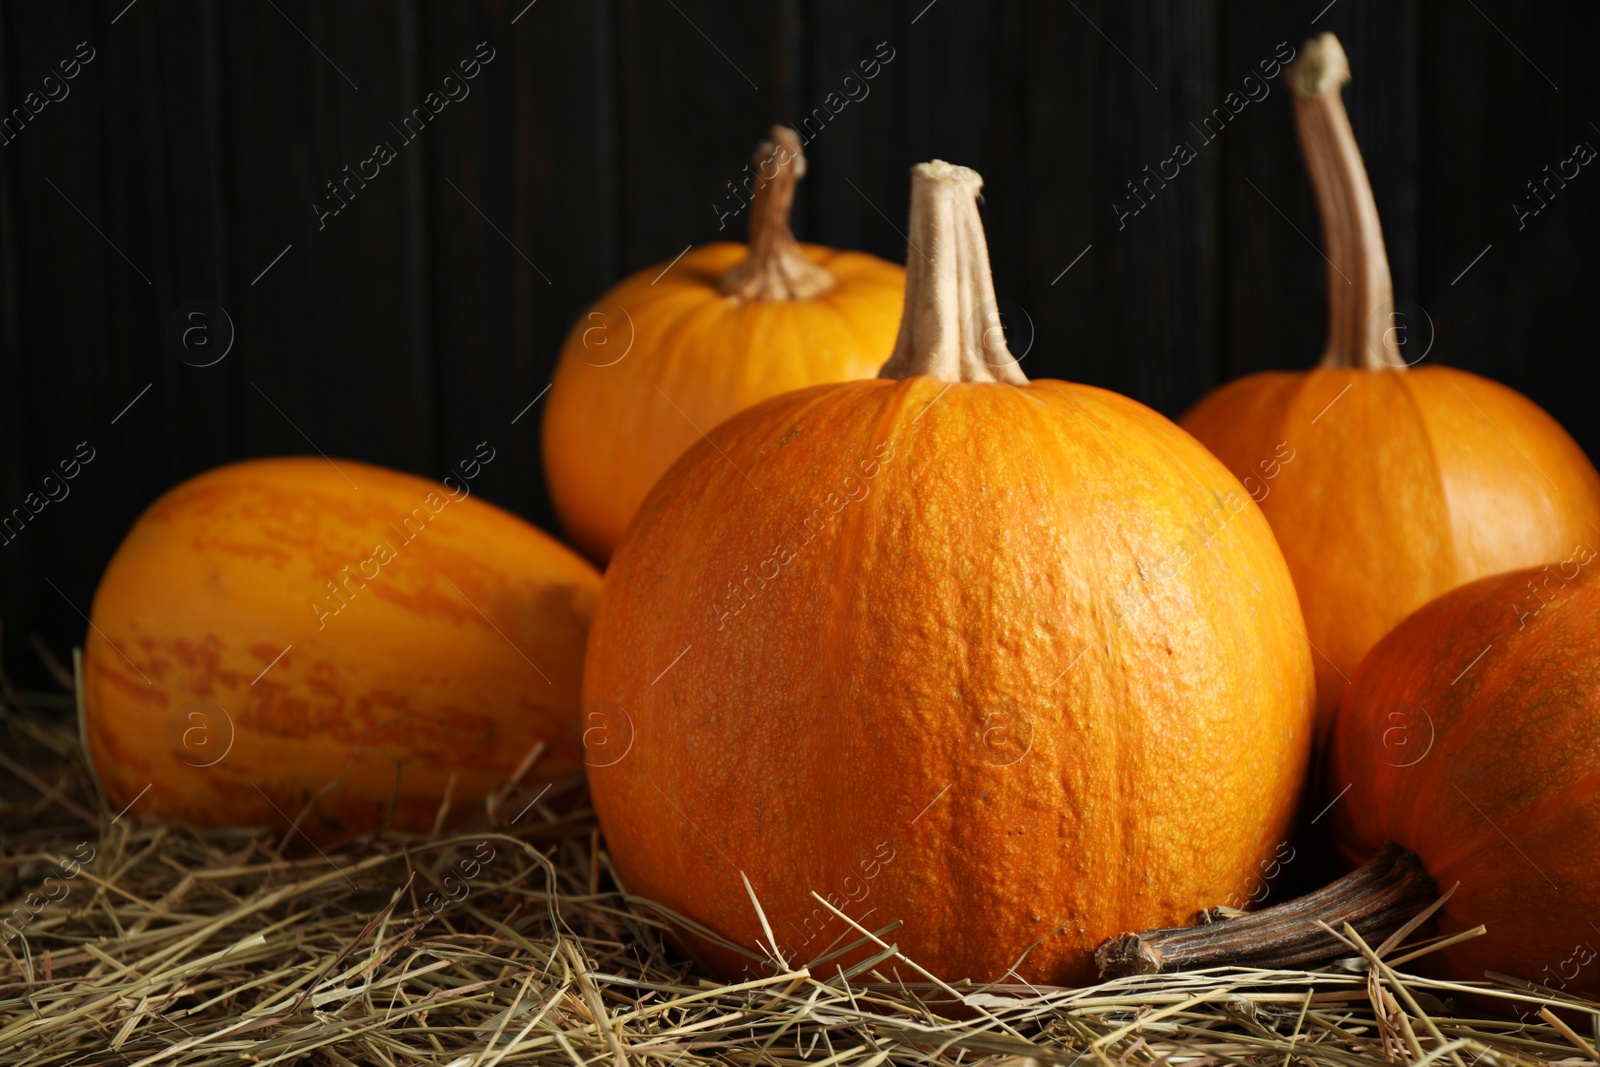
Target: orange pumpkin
942	645
673	350
289	639
1386	485
1471	736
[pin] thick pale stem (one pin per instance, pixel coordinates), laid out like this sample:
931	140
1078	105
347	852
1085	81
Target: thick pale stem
1360	293
776	268
950	328
1377	899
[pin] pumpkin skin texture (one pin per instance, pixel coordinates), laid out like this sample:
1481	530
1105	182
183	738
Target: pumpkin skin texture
916	640
946	649
664	356
386	690
1471	735
1386	484
1408	485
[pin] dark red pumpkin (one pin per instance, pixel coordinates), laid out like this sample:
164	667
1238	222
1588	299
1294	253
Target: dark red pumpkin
1471	736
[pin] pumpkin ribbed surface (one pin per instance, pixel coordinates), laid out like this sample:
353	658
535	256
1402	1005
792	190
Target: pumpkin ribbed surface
1009	664
1471	735
1401	486
693	358
1386	483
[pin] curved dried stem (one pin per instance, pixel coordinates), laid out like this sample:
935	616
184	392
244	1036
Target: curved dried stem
776	268
1377	898
1360	292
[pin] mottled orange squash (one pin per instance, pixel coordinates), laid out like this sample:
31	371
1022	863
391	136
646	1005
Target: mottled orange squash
290	639
673	350
1016	664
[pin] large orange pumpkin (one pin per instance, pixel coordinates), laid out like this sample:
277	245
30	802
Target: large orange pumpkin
1471	736
1386	485
673	350
1014	663
285	638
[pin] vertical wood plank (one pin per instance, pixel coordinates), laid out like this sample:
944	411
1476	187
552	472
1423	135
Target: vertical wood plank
698	86
74	311
120	180
1509	91
333	339
13	442
949	82
859	151
523	217
1116	87
1274	313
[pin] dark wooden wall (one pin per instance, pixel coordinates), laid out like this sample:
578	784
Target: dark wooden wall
425	315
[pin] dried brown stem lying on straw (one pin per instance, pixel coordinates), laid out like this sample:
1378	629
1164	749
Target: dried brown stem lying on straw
174	946
1392	893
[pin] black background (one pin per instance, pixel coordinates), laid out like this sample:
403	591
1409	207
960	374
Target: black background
426	315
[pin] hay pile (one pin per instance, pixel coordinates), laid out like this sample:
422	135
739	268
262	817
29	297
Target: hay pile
173	946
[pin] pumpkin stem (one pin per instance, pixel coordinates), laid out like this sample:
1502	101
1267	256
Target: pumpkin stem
776	268
950	328
1377	898
1360	293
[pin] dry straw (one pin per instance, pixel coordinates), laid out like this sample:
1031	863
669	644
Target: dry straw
180	947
